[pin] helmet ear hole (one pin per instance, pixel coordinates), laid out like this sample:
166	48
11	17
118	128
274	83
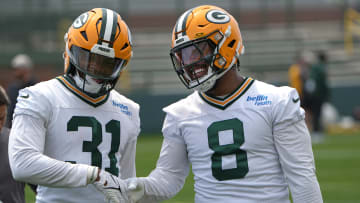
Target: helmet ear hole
125	45
231	44
83	33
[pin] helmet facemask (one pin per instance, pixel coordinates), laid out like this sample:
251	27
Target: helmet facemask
193	61
95	73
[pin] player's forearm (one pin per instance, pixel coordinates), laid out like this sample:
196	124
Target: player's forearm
309	193
171	171
27	162
162	185
296	157
33	167
303	184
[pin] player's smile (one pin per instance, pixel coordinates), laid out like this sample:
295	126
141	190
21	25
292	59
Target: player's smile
197	71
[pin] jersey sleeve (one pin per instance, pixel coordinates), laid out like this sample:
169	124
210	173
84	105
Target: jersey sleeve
32	102
293	143
29	164
170	173
136	118
287	110
170	127
172	167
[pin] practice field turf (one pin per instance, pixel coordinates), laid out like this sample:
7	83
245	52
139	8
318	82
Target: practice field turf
337	163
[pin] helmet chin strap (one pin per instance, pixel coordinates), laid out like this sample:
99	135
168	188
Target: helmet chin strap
87	85
207	85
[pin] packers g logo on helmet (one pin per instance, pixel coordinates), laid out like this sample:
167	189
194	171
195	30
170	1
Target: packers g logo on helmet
217	16
80	21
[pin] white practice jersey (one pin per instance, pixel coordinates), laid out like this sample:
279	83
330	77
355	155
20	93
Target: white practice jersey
251	146
100	132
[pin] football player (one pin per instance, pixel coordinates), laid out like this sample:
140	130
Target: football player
245	139
74	135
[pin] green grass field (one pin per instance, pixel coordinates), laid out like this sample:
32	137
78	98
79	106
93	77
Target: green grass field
337	163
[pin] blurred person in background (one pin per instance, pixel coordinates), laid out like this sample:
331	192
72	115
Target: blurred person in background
11	191
299	72
246	140
316	93
74	135
295	75
356	113
22	66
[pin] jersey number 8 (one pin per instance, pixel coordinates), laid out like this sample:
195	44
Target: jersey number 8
228	149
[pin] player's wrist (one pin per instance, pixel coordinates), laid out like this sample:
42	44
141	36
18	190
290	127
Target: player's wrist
93	174
111	186
136	189
98	175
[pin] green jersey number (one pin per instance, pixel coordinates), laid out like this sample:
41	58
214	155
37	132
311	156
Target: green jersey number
112	127
222	150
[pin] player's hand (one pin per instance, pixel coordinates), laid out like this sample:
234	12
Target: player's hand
112	187
136	189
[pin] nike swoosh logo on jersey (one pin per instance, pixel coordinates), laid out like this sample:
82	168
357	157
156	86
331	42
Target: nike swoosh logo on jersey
295	100
25	96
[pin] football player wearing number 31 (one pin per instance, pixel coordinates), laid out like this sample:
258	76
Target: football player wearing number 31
74	135
246	140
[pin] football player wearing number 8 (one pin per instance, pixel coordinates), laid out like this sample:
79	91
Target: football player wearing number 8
74	135
246	140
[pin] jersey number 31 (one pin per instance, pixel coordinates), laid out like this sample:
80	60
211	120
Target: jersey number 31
112	127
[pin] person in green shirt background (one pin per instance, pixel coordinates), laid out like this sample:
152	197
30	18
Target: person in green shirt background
316	93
